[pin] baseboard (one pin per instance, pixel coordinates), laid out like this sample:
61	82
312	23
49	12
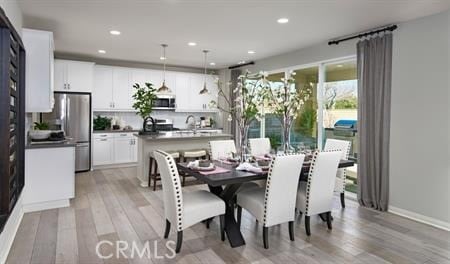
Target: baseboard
420	218
10	230
114	166
27	208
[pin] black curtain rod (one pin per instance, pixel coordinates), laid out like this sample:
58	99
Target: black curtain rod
361	35
240	65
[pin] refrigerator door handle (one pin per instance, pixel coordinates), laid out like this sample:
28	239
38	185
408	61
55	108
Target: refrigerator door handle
67	114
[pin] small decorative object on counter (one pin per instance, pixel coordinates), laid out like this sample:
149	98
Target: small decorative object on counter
144	98
102	123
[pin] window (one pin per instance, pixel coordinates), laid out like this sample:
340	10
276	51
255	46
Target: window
272	125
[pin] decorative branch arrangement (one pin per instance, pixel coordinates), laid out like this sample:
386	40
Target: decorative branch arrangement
252	92
245	107
285	101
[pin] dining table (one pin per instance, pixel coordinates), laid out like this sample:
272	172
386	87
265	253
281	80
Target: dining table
227	180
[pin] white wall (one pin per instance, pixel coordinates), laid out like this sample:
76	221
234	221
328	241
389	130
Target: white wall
419	165
14	14
419	156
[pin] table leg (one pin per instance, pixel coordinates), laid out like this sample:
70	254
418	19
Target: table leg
234	234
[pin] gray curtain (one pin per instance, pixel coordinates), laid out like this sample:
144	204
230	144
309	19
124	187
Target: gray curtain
234	80
374	64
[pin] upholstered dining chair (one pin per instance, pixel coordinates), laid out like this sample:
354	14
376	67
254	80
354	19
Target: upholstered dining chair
184	209
316	195
344	146
274	204
221	148
259	146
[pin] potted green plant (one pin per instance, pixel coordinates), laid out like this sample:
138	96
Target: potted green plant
40	131
144	98
102	122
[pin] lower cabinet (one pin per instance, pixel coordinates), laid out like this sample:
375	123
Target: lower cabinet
114	148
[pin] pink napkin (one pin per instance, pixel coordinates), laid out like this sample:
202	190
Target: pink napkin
217	170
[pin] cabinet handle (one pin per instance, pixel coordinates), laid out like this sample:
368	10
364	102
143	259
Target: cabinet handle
103	139
123	135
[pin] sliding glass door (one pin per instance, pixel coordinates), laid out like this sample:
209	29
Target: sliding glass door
340	110
304	131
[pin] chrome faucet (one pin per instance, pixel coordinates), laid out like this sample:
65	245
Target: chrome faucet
195	122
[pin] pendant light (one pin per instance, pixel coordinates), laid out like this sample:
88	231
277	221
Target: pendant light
204	90
164	88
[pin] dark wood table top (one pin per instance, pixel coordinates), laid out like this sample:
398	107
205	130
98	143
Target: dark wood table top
234	176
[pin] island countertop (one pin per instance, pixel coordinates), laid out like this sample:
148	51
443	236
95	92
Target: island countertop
171	141
182	136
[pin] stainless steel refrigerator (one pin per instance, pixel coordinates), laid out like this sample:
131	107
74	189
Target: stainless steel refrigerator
72	114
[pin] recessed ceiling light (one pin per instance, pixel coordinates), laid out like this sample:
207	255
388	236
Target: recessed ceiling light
114	32
162	58
339	66
212	63
102	51
192	44
251	52
283	20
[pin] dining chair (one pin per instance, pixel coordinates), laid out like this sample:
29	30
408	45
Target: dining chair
184	209
316	195
275	203
221	148
259	146
344	146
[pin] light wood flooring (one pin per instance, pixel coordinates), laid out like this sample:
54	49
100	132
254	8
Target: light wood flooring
110	205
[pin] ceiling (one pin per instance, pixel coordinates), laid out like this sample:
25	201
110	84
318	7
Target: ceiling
228	28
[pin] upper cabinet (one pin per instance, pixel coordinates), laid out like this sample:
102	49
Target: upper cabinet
39	70
113	88
73	76
122	88
188	94
102	97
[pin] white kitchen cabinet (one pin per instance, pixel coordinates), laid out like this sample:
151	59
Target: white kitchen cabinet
73	76
188	94
140	76
124	148
102	97
114	148
157	77
103	149
39	70
122	89
49	177
183	93
113	88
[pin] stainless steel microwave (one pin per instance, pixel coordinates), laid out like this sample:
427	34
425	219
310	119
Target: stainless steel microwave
164	102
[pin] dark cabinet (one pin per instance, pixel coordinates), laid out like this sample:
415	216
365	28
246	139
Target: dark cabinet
12	117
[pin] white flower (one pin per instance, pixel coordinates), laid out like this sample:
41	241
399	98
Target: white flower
230	118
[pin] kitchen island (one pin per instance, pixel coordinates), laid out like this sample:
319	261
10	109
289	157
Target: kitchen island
170	141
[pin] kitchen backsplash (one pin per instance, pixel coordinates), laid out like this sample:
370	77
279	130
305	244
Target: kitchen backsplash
179	119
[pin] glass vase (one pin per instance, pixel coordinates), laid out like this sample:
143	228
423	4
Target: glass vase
243	150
